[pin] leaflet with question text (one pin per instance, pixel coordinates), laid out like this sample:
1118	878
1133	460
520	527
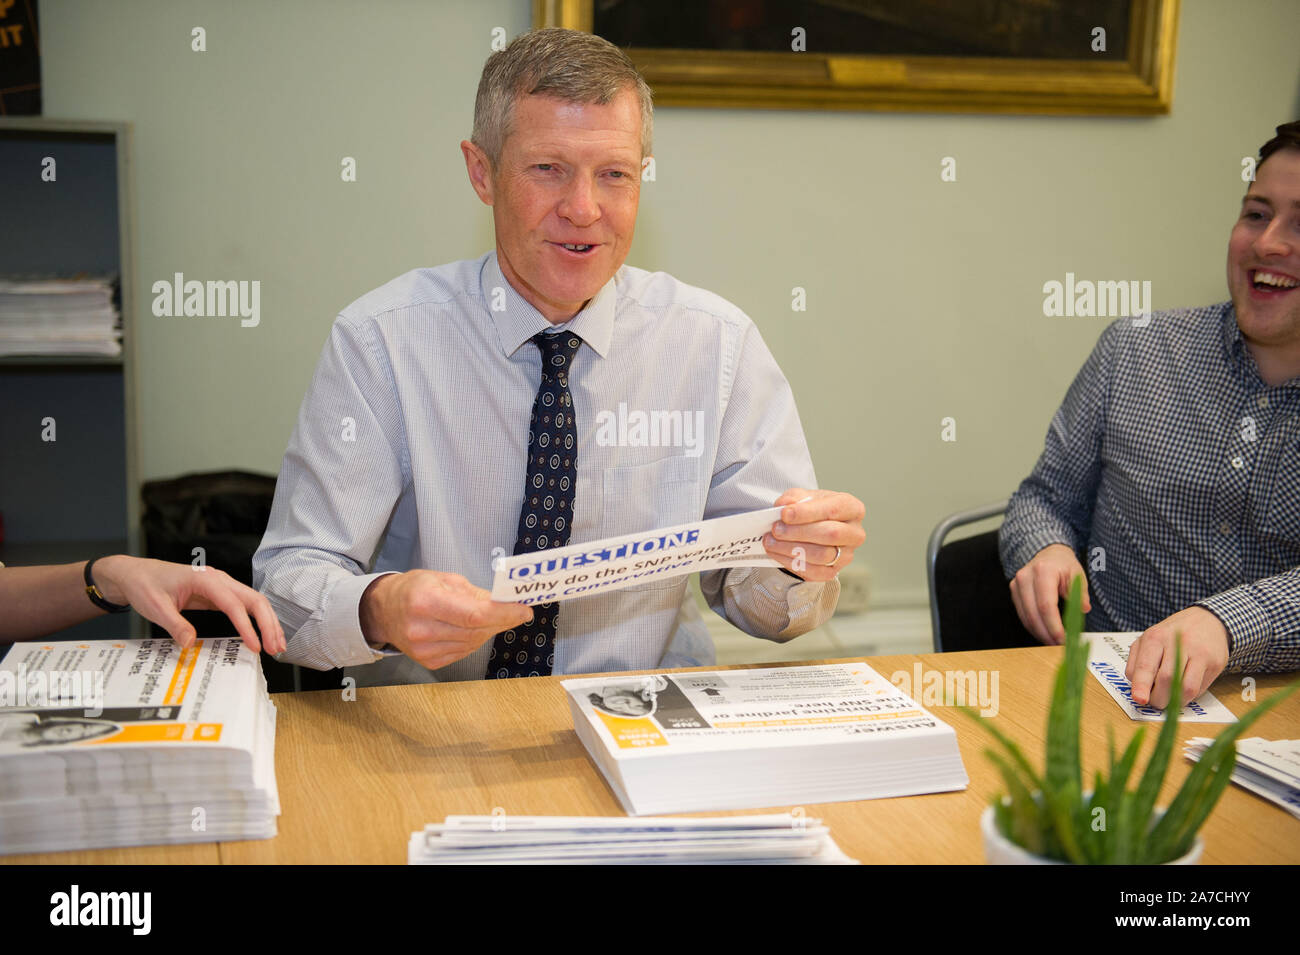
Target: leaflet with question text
1107	658
603	566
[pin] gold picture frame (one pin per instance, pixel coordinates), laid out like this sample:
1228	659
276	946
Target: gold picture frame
1141	85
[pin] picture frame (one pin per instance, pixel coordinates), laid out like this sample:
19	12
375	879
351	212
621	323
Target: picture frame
1137	83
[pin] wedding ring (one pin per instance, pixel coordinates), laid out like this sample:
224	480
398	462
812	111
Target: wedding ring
838	551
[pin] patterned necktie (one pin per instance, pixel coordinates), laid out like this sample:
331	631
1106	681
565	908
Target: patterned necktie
544	520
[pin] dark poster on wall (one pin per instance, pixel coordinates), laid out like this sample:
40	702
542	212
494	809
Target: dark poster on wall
1015	29
20	59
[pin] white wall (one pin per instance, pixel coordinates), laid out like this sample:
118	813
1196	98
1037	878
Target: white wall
924	297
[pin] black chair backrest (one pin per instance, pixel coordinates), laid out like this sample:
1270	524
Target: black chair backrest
225	513
973	599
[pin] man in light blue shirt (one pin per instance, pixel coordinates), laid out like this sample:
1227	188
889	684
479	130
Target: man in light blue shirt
415	438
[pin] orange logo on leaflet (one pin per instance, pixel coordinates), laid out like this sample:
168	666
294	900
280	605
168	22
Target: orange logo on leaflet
165	733
632	733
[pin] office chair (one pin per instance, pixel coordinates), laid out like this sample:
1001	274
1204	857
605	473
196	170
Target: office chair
225	513
970	602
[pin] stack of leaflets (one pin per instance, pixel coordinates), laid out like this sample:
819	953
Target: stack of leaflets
134	742
745	739
1268	768
59	316
789	839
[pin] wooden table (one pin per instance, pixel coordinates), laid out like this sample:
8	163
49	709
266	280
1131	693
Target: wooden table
358	777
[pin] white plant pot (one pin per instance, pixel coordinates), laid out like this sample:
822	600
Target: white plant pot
999	850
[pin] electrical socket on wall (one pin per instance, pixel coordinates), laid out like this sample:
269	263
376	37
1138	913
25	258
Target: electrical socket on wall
855	589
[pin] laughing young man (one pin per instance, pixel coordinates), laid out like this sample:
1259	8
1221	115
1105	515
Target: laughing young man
452	419
1177	453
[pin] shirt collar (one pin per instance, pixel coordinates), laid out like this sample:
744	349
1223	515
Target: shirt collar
1234	347
1233	344
519	321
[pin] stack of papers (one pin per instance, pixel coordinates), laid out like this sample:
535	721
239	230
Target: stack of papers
746	739
1268	768
134	742
59	317
598	840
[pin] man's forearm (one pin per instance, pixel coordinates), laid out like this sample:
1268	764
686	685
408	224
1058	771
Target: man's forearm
1054	504
1032	523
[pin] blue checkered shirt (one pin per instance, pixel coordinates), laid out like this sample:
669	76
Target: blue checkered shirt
1179	469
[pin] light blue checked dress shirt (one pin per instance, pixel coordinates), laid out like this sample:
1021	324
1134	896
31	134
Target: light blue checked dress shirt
410	448
1173	456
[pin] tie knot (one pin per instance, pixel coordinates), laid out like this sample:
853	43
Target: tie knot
558	349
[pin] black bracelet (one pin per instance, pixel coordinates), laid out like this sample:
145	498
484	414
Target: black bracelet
96	595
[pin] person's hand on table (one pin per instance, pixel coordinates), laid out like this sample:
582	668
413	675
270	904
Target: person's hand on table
1150	669
816	538
1037	589
435	618
159	590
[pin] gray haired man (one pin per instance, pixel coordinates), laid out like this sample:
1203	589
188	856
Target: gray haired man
474	389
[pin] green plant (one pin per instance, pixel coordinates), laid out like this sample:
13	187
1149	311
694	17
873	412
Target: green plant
1051	816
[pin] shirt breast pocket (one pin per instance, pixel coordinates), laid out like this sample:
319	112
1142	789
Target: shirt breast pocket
645	497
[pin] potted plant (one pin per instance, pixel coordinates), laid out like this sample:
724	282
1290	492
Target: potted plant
1049	818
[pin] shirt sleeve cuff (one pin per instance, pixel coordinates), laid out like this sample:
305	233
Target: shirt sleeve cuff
1247	624
1023	549
809	604
343	623
781	606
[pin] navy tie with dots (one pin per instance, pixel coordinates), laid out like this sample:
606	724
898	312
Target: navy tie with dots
548	504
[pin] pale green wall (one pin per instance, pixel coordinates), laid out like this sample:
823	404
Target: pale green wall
924	297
